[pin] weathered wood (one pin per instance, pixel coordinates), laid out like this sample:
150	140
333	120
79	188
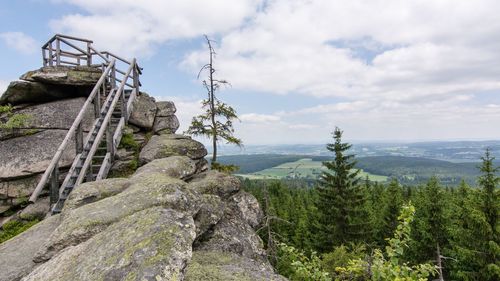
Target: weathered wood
110	145
58	52
97	102
102	130
116	57
68	176
82	166
118	132
54	185
89	55
127	84
79	139
70	133
51	62
44	57
74	46
72	38
106	59
106	165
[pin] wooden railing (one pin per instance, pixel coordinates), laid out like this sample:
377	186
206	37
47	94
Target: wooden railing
63	50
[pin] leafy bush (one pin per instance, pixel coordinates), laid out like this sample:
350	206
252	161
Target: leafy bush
334	261
294	264
389	265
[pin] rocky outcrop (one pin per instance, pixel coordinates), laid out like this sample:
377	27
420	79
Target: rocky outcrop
144	112
64	75
159	224
170	219
50	99
31	154
161	146
24	92
165	121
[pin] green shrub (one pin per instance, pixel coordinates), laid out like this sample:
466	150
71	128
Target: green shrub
13	228
389	265
128	142
295	265
13	120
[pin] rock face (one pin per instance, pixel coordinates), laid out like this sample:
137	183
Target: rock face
25	92
64	75
169	145
50	98
144	111
155	225
170	220
32	154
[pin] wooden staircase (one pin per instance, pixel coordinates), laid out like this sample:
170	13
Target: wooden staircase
118	88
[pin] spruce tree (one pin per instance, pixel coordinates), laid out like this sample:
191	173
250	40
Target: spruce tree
393	201
341	204
490	206
475	244
431	224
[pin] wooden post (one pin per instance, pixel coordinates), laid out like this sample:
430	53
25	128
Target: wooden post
110	147
97	104
89	55
51	62
90	173
113	76
124	103
58	52
54	185
136	75
79	139
44	56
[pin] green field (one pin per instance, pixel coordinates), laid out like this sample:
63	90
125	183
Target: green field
304	168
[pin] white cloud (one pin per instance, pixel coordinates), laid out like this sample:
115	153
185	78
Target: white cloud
258	118
20	42
3	86
395	69
132	27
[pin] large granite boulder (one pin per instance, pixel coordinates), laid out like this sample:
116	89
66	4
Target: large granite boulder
171	145
217	265
32	154
64	75
152	226
166	125
57	115
180	167
152	244
165	122
143	112
22	92
165	108
16	255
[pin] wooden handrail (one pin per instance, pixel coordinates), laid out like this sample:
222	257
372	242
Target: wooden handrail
71	132
76	52
103	128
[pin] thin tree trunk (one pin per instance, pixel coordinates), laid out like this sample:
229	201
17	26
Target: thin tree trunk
212	106
439	264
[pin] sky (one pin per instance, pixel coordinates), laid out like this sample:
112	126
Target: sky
381	70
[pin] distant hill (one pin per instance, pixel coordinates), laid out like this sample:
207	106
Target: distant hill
408	170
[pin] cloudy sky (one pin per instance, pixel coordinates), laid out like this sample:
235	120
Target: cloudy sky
379	69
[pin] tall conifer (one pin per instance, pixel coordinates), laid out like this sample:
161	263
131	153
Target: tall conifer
341	204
